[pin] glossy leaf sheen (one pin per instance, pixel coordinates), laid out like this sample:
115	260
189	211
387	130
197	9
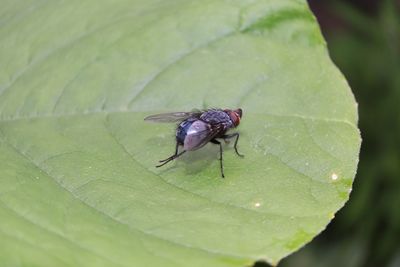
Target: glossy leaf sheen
78	186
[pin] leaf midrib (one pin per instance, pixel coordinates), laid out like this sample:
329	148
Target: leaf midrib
116	111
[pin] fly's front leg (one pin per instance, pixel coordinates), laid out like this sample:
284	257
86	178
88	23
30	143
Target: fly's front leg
220	155
174	156
229	136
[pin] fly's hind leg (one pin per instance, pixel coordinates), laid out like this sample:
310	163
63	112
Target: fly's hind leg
174	156
229	136
176	153
220	155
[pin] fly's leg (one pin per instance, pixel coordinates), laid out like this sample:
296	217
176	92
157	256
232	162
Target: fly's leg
220	155
176	153
165	161
229	136
174	156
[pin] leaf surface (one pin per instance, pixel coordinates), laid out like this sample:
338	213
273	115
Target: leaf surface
78	186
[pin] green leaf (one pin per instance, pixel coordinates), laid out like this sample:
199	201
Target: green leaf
78	183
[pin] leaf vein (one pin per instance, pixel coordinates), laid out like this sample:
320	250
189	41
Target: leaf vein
111	217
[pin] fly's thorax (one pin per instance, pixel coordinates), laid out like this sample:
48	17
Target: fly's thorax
217	116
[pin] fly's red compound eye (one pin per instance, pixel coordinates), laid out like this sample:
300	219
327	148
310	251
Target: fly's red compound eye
235	117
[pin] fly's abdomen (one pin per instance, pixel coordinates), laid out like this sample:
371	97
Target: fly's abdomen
182	130
196	135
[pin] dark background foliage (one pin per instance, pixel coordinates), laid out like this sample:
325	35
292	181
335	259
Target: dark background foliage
363	38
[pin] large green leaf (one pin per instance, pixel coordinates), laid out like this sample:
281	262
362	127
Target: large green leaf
78	186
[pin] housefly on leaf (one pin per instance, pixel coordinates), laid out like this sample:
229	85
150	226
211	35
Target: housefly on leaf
197	128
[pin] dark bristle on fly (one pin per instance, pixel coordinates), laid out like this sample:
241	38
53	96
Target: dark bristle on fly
239	112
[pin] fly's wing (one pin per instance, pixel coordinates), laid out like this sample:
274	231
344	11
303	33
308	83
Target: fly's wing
199	134
173	116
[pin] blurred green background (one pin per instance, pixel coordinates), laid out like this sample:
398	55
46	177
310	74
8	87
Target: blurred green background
363	38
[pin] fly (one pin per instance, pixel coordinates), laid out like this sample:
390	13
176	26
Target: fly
197	128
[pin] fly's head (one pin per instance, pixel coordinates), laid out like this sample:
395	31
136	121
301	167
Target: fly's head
234	115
